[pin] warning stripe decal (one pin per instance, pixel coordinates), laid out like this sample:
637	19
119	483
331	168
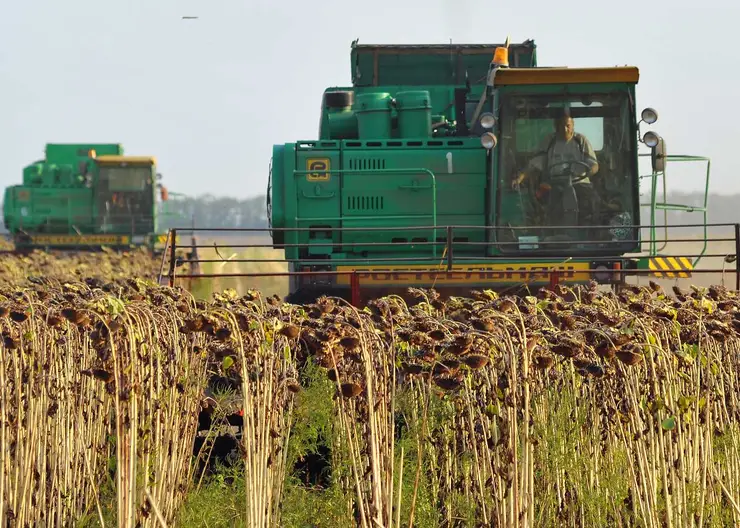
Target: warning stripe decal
670	266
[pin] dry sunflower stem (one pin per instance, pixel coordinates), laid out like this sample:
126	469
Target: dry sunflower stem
572	407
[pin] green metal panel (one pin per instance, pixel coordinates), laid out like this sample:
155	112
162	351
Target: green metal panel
373	111
383	188
435	64
318	195
414	114
48	210
63	162
290	200
344	124
70	153
34	174
277	193
341	124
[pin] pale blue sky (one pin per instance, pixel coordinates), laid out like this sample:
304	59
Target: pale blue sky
210	97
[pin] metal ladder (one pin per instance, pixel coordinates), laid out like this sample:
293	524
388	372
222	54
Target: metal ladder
664	206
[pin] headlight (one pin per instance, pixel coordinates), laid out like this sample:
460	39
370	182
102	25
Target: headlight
649	115
651	139
488	140
487	121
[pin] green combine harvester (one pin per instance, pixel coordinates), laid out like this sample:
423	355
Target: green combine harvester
468	166
85	197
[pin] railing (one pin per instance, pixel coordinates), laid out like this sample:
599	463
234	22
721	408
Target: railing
458	254
664	206
86	223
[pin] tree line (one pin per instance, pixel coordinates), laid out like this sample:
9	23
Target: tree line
210	211
213	212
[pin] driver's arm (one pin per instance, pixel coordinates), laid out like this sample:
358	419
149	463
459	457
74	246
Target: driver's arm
538	162
590	157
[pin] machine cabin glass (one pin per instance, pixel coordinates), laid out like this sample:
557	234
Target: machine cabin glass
125	198
567	172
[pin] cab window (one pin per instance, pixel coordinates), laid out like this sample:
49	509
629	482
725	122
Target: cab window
127	178
561	206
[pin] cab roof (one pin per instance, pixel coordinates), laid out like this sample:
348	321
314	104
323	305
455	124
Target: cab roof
535	76
134	160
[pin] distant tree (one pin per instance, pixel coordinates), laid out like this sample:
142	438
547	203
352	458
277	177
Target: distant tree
215	212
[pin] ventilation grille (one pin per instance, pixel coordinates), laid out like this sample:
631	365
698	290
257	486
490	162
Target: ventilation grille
366	164
365	203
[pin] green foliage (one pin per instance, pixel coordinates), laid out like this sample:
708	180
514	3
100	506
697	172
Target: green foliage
303	506
219	502
313	424
558	458
313	414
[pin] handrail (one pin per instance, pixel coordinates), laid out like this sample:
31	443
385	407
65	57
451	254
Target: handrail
421	228
164	255
546	248
675	207
428	264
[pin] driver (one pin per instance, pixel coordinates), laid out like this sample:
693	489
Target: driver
566	145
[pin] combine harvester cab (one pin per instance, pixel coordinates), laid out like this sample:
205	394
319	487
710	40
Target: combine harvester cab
84	197
464	167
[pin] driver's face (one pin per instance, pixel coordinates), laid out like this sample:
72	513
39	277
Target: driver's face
564	128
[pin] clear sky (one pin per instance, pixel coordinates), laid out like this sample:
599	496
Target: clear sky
209	97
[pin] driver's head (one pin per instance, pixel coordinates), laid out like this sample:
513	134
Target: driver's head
564	127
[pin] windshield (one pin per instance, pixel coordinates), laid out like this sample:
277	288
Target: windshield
127	178
125	201
567	175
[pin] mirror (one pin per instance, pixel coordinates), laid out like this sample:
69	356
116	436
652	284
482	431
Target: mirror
163	193
657	156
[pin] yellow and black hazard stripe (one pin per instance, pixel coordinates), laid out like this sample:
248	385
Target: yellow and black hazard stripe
670	267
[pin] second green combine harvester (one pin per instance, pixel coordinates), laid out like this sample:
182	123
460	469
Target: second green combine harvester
417	165
86	196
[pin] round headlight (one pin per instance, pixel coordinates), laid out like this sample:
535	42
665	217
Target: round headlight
487	121
488	140
649	115
651	139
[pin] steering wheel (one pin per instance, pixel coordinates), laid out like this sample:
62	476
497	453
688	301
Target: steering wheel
570	167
